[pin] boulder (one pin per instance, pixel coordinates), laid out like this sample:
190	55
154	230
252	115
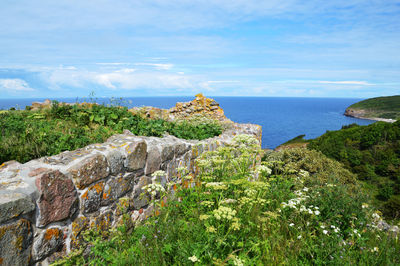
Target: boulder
49	241
136	155
13	204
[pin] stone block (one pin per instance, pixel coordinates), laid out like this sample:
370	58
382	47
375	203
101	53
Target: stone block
91	199
49	241
115	160
78	225
58	198
167	152
136	155
13	204
140	201
116	187
89	170
153	159
16	243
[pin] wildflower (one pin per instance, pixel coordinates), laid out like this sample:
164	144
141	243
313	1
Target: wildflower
158	173
216	185
237	261
291	224
262	169
236	225
207	203
325	232
299	237
224	213
364	205
204	217
193	258
211	229
316	212
228	201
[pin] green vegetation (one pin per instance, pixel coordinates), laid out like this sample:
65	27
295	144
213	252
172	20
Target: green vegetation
295	142
25	135
373	153
296	208
382	107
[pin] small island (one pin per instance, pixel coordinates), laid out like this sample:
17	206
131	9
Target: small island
385	109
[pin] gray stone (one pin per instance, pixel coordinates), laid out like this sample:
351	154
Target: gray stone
49	241
16	243
14	204
136	155
139	200
153	159
167	152
90	200
116	187
115	160
89	170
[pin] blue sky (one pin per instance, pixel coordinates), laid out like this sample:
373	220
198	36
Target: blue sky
314	48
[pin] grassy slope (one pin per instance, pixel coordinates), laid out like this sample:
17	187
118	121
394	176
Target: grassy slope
382	107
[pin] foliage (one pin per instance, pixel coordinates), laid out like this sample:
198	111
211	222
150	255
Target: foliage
372	152
238	212
25	135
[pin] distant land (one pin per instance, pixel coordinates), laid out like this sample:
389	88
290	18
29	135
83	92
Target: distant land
385	109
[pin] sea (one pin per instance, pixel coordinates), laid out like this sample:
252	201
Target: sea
281	118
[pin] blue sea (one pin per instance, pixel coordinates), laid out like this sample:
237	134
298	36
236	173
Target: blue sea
281	118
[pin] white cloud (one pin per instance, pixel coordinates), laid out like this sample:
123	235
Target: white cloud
13	85
156	66
346	82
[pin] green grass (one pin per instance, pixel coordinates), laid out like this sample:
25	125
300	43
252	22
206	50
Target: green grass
26	135
302	209
383	107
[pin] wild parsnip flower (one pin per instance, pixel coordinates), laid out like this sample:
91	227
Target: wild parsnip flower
237	261
207	203
228	201
204	217
193	259
224	213
364	205
262	169
158	173
244	140
236	224
303	173
152	189
211	229
216	185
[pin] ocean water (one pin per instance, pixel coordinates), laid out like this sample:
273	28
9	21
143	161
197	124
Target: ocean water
281	118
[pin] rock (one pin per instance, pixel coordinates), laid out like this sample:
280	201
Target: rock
153	159
167	152
117	187
58	198
16	243
89	170
14	204
49	241
102	222
90	200
136	155
140	201
115	160
80	224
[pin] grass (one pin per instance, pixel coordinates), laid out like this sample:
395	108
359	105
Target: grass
297	208
26	135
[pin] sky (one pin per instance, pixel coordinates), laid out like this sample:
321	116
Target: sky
129	48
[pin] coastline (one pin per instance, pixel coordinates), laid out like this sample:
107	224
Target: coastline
360	115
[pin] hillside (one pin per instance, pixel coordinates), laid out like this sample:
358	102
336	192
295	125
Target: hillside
373	153
380	108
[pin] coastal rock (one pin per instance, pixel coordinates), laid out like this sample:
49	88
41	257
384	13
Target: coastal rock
90	200
58	198
116	187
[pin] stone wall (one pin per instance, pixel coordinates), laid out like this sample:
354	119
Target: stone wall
46	203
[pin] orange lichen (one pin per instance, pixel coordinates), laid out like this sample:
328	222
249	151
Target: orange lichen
50	233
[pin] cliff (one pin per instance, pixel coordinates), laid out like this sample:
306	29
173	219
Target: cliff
386	109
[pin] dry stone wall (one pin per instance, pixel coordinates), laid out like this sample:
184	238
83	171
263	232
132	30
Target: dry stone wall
46	203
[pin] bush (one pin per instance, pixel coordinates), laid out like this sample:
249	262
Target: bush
25	135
